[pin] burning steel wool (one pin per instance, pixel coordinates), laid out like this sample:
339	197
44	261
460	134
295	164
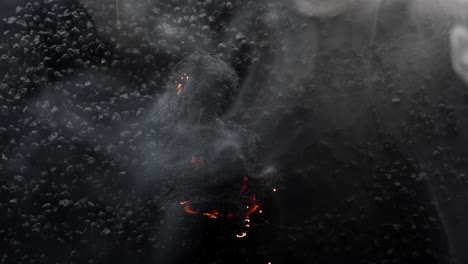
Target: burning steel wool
208	156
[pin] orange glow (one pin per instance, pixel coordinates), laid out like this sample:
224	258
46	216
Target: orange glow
187	207
179	88
179	85
212	214
274	190
253	206
189	210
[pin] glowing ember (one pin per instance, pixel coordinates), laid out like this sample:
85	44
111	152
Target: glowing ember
179	88
179	85
253	206
187	207
241	235
274	190
212	214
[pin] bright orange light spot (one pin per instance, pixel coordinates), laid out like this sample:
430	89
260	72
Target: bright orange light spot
179	88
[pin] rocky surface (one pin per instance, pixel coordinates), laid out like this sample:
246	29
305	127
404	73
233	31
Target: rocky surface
362	117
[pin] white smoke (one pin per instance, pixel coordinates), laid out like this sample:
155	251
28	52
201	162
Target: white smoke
321	8
459	51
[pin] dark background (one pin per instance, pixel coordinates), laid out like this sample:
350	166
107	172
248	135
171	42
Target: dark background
360	115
